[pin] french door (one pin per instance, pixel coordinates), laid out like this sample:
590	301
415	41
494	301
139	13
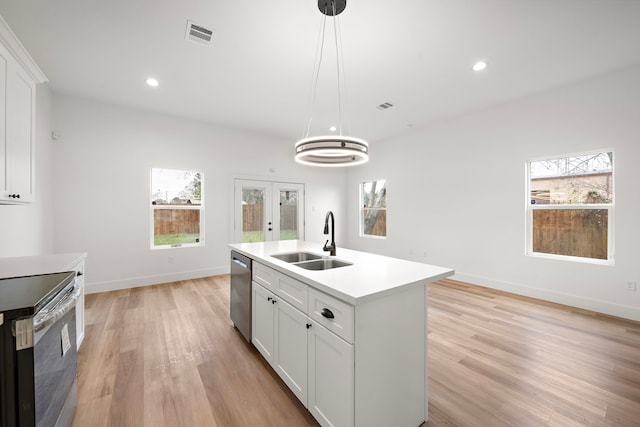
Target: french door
267	210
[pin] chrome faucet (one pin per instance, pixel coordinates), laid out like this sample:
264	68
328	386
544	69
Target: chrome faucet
332	247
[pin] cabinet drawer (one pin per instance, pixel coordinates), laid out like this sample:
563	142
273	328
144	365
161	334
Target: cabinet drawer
264	275
293	291
342	321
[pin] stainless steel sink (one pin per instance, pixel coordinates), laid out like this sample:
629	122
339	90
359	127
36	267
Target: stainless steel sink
322	264
296	256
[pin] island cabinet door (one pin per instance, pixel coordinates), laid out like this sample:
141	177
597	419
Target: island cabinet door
262	317
331	378
291	348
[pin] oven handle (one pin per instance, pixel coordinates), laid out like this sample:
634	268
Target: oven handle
49	315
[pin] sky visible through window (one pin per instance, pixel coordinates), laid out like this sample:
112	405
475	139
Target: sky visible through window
572	165
169	184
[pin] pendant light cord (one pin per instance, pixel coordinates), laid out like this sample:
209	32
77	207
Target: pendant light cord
338	54
316	73
318	62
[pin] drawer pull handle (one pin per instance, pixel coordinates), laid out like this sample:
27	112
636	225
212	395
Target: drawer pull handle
327	313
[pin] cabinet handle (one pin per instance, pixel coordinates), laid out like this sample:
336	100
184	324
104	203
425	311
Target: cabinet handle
327	313
308	325
273	301
269	298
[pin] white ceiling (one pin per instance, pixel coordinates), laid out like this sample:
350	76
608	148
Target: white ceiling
416	54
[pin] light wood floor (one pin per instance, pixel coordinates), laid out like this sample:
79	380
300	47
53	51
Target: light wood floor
168	355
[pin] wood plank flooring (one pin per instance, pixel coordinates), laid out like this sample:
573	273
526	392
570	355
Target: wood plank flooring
168	355
497	359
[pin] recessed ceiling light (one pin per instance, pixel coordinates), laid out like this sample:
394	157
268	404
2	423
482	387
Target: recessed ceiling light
479	66
152	82
333	128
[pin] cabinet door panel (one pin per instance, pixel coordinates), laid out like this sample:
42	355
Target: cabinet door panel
262	321
331	378
291	351
19	134
3	147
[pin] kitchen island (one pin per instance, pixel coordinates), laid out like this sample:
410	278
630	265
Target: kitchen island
350	341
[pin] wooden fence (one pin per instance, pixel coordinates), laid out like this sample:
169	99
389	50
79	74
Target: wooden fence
176	221
379	226
573	232
253	217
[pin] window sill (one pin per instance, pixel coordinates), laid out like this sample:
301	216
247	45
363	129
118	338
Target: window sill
608	262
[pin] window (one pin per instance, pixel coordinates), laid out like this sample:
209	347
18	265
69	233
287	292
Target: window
176	208
373	219
570	207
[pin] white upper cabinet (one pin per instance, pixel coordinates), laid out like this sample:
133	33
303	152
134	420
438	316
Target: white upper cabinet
18	78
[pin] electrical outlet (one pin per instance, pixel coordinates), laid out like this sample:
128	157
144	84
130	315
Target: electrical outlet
632	285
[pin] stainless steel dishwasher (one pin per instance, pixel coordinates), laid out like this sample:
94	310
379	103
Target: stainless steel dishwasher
240	295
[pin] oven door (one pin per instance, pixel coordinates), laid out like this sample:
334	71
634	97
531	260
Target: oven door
46	372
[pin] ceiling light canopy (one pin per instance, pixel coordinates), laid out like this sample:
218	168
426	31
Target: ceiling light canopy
334	150
152	82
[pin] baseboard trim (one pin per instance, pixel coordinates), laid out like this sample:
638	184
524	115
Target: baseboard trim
605	307
116	285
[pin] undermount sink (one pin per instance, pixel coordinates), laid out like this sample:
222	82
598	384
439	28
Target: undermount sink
322	264
297	256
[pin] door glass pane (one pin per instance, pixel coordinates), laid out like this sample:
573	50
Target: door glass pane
288	214
253	214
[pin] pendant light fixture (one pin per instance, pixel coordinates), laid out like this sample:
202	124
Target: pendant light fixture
330	150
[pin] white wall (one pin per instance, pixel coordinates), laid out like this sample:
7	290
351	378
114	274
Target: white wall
456	192
28	229
104	156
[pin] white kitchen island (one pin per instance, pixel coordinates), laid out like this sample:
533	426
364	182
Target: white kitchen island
350	342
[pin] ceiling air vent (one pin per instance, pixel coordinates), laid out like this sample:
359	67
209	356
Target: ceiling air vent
384	106
199	34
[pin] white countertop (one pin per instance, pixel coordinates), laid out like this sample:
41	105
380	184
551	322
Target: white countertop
40	264
370	276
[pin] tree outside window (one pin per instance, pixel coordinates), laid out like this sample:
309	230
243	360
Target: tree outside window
176	208
373	216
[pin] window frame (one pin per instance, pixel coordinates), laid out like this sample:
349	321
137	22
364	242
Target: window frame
199	207
610	207
362	209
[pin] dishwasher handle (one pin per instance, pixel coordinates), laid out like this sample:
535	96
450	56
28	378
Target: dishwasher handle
240	263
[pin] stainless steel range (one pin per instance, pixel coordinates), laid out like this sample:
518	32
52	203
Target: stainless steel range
38	354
